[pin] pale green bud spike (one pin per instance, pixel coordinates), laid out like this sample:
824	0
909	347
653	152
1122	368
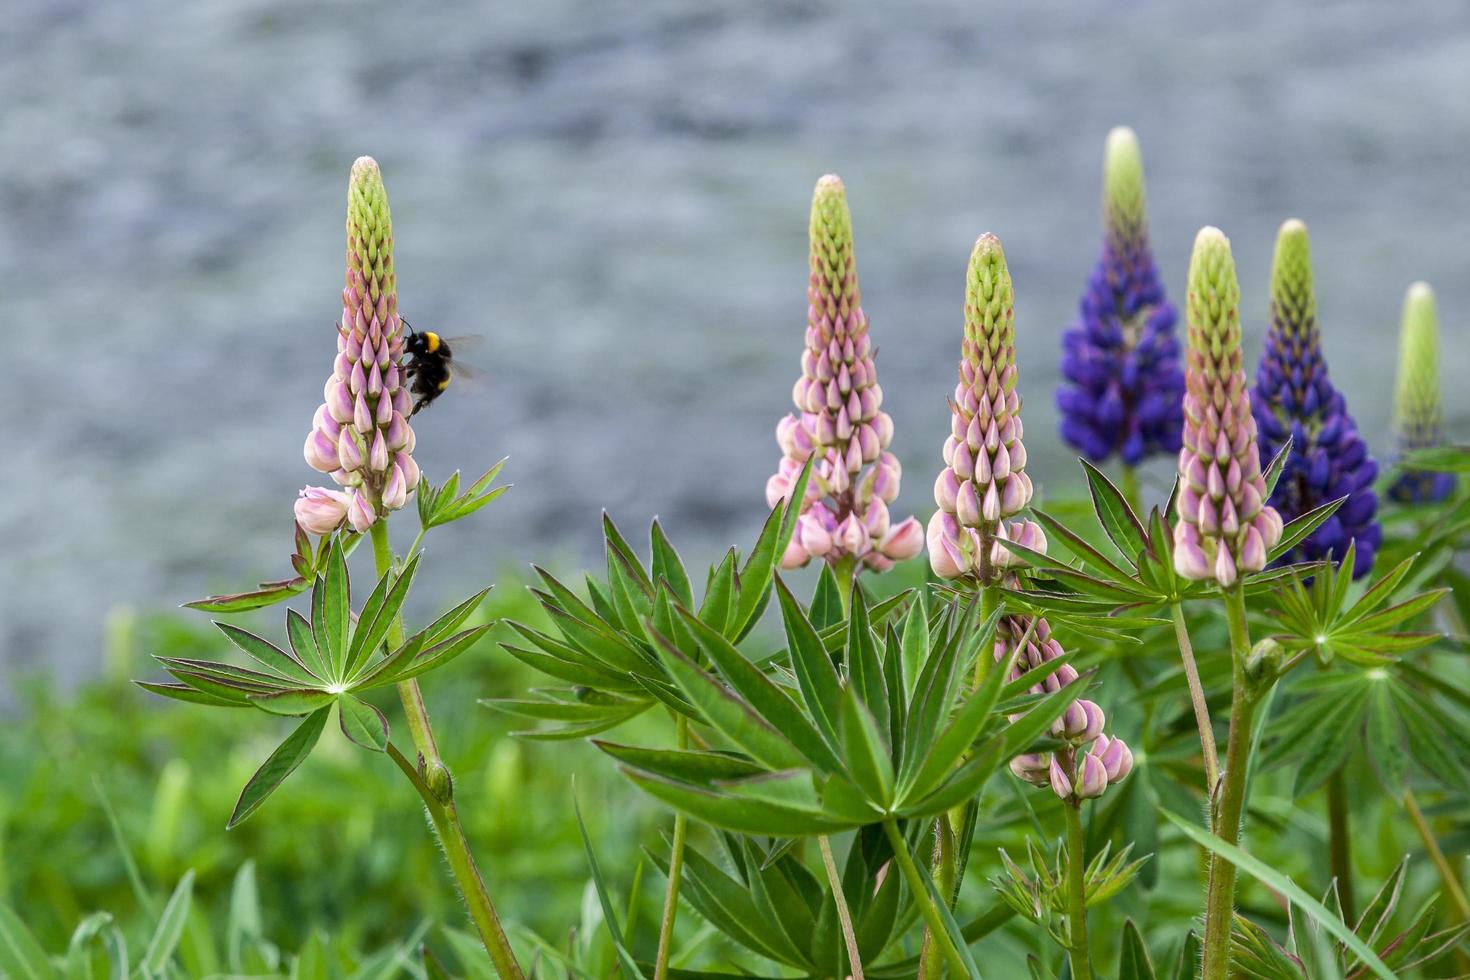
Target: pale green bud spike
1124	208
1214	301
990	317
1293	300
831	243
1416	412
370	231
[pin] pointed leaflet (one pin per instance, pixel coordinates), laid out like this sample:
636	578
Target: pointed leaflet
667	565
733	717
282	762
1303	526
396	668
1133	959
865	750
816	678
914	647
864	668
826	608
682	765
298	631
362	723
300	702
1118	519
335	612
733	813
191	695
268	655
768	700
719	594
1277	466
378	614
268	594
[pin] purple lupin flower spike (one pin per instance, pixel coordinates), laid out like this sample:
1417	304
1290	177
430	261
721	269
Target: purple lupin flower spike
1225	527
838	417
1295	398
1090	761
1120	359
360	435
984	477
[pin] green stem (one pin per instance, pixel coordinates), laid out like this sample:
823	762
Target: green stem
989	602
1452	885
1340	845
1201	706
923	899
676	871
844	915
1220	897
1078	952
945	861
1130	488
432	781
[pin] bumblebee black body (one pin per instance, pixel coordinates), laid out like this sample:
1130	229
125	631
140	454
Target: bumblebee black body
429	371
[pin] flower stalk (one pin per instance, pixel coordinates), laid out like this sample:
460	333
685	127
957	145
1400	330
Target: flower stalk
929	911
1078	951
676	873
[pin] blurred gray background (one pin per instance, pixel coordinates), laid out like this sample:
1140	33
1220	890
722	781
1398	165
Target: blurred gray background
615	195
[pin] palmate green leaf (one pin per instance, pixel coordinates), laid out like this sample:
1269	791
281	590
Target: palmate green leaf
937	688
1284	886
1328	746
447	504
769	701
683	765
362	723
396	668
282	762
1097	562
170	927
728	905
21	956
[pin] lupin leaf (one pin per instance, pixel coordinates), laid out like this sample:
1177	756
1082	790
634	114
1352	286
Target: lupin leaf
282	762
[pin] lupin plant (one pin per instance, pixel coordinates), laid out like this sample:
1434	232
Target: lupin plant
1120	358
336	654
902	730
982	483
1295	402
839	421
1418	418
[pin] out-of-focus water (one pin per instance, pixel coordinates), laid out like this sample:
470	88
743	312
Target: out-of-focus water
615	194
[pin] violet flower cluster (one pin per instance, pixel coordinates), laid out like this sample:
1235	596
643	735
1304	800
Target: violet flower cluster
1091	760
1225	527
839	417
1295	399
1418	418
1120	358
360	434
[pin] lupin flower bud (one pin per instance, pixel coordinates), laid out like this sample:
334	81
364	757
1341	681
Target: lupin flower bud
1294	398
1418	421
984	478
1120	358
838	416
1225	528
360	434
1091	760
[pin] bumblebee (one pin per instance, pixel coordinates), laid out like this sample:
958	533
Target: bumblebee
431	368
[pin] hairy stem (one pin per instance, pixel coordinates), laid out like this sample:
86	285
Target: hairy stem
946	859
1201	707
432	781
923	899
1077	948
844	916
676	871
1220	897
1340	845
